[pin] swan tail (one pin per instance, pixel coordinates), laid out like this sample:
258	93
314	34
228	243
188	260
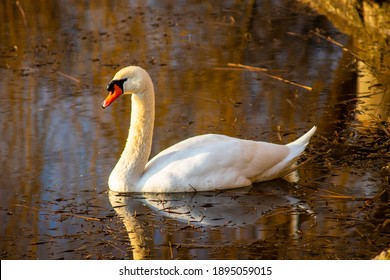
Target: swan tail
285	166
298	146
304	139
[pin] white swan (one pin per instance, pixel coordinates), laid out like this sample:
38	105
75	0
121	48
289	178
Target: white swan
201	163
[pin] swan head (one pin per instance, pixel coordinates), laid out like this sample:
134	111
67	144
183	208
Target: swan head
128	80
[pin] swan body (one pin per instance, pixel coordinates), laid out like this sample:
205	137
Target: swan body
201	163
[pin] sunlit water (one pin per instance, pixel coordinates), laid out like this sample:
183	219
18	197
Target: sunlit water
58	147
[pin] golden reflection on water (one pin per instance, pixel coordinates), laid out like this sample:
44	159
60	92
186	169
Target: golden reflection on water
58	146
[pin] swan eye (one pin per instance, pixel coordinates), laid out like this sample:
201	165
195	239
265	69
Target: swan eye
119	83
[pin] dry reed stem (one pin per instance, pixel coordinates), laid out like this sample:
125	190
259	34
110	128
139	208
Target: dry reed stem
265	71
69	77
349	197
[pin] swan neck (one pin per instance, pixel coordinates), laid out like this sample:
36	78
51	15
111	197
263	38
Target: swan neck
139	140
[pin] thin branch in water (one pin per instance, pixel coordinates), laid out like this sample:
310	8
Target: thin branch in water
69	77
265	71
348	197
81	217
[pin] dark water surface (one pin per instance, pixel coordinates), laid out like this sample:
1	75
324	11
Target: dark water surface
58	147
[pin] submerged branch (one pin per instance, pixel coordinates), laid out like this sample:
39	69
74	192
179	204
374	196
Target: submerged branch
265	71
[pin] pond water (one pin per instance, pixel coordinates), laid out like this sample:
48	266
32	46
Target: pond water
58	146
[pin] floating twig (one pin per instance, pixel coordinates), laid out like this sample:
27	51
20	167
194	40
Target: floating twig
265	71
336	195
69	77
348	197
81	217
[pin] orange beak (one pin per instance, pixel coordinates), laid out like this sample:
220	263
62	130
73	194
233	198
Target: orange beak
114	94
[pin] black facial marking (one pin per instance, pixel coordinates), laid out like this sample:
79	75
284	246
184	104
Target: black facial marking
119	83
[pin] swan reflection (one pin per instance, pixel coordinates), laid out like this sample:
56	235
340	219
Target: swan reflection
229	209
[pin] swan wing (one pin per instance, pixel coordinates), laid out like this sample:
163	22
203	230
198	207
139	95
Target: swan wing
210	162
